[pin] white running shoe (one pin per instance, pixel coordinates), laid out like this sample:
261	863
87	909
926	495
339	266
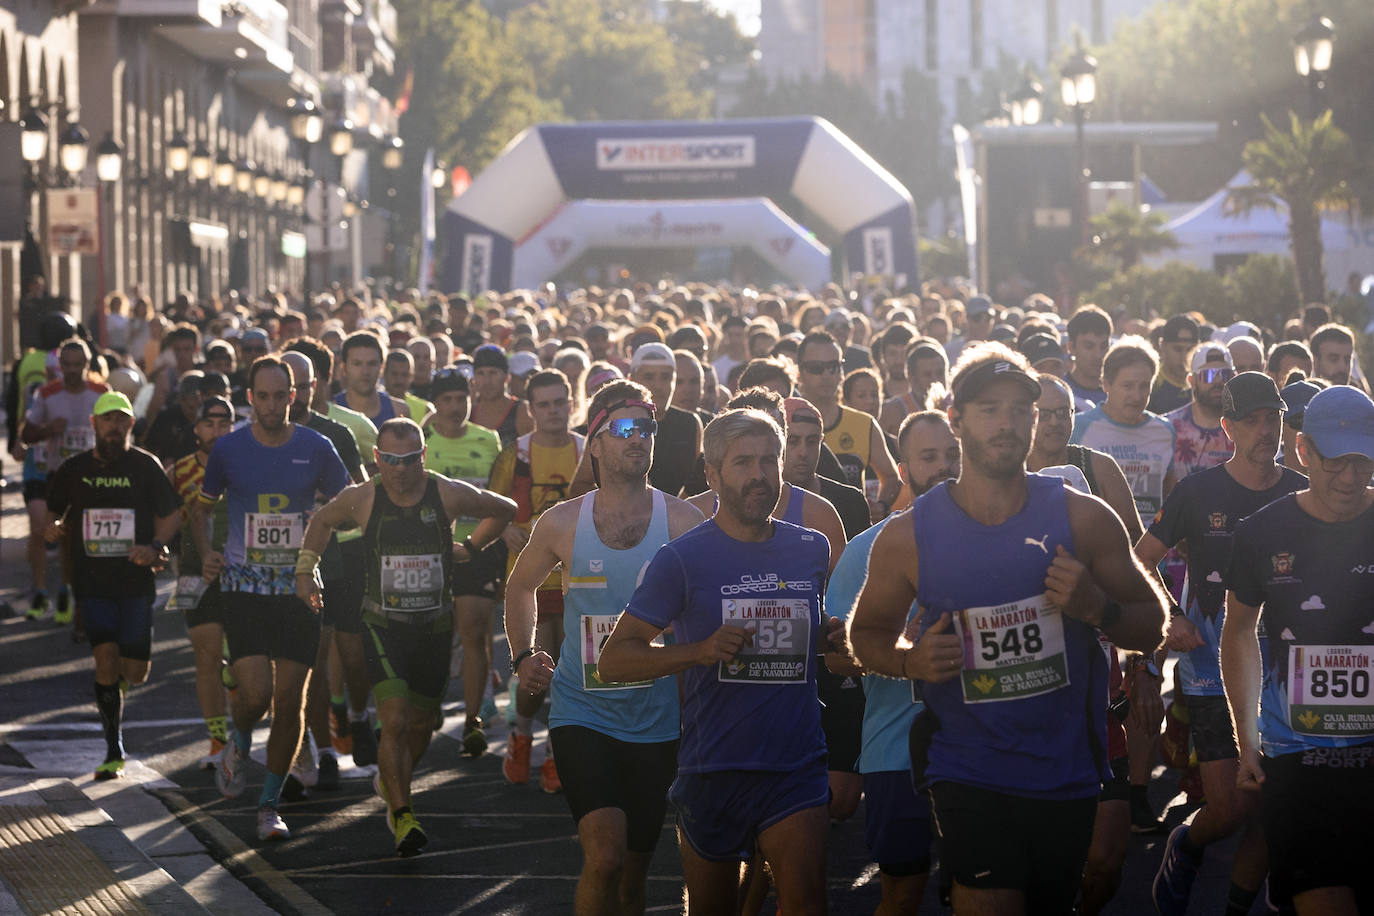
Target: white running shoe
231	776
307	768
271	826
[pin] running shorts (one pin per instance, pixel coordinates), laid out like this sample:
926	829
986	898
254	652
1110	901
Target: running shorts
599	771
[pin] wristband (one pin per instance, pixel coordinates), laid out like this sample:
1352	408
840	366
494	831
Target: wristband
472	549
515	662
307	561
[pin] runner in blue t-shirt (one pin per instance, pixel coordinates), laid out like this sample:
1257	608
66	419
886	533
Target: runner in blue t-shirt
1305	560
269	472
743	595
1016	575
1203	510
616	743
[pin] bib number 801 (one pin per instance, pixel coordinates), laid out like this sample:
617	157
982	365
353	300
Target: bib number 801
1014	641
274	537
1338	683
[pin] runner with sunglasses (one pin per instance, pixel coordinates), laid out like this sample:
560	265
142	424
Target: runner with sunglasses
406	514
536	471
269	472
616	743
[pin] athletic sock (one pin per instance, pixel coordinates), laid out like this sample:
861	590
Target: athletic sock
524	724
218	726
396	815
337	700
1239	900
109	702
1189	848
271	790
243	739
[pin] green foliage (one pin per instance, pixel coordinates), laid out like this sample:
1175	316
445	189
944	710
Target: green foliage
1124	234
942	258
1264	289
1143	291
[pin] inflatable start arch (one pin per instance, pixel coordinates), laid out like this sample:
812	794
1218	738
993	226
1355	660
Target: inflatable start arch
547	165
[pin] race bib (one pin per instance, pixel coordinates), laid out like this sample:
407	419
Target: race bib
273	538
1012	651
412	583
596	629
188	593
782	640
1328	691
76	440
108	532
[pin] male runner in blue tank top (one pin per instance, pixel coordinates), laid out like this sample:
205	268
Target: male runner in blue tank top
743	595
1015	574
616	743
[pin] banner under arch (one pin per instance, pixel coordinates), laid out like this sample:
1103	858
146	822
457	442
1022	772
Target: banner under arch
755	223
549	164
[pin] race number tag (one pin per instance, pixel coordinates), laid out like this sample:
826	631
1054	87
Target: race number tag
108	532
412	583
77	440
596	629
782	640
1328	691
188	593
273	538
1012	651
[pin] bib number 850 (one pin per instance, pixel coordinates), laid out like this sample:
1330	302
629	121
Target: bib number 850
1014	641
1338	683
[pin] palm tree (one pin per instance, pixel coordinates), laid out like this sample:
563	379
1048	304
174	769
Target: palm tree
1307	168
1125	233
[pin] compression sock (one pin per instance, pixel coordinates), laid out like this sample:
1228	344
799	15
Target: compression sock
218	727
1239	900
243	739
524	724
110	704
271	790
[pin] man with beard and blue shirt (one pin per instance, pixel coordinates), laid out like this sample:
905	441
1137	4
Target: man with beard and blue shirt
742	592
897	820
1203	510
1301	705
1016	574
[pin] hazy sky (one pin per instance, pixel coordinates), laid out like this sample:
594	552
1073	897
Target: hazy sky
746	12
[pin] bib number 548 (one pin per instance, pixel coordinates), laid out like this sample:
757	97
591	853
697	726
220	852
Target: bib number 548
1014	641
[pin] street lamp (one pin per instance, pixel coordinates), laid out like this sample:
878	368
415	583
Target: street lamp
306	121
439	177
33	137
1026	102
224	170
201	161
1312	50
243	175
1078	89
341	138
72	149
262	185
392	153
179	153
280	186
296	191
109	159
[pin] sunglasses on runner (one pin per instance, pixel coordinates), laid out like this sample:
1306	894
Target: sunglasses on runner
1211	376
407	458
625	427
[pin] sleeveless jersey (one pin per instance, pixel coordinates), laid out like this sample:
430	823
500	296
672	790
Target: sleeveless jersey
385	410
1027	715
413	549
468	458
536	478
600	582
849	439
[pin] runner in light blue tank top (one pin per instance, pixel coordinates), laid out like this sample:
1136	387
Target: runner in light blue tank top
600	582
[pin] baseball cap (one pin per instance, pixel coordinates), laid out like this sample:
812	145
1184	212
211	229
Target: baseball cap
801	410
522	362
971	381
1204	355
838	318
601	376
451	378
254	336
652	352
112	402
1179	329
1340	421
1248	392
215	408
1039	347
490	356
978	305
1297	396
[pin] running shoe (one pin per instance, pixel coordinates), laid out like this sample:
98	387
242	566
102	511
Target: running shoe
516	766
1143	820
474	740
211	760
380	789
410	836
62	614
306	767
232	773
271	826
329	773
38	607
548	777
292	789
110	769
339	735
364	743
1174	880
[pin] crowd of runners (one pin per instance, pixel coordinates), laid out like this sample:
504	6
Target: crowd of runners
756	556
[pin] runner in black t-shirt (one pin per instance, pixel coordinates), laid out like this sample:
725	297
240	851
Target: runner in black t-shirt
121	509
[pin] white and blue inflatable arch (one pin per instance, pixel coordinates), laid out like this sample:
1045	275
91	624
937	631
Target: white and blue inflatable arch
547	165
